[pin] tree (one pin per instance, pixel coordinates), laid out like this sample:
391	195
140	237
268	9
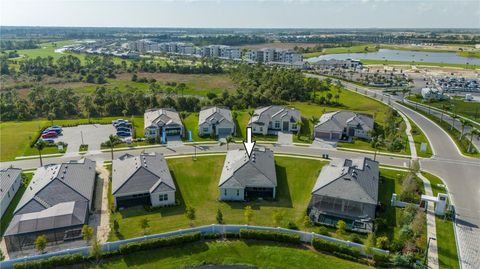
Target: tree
382	242
219	216
96	251
190	214
277	217
40	145
307	222
248	214
41	243
2	256
464	123
473	132
445	107
116	226
87	232
144	224
229	139
111	142
341	227
370	243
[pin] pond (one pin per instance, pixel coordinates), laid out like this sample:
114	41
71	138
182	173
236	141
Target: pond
402	55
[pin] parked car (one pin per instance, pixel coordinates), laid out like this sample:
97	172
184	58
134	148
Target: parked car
124	124
49	129
124	134
48	140
51	134
123	129
118	121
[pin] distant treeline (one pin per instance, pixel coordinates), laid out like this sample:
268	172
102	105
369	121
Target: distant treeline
230	40
18	44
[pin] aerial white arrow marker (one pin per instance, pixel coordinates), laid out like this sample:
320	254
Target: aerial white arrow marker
249	145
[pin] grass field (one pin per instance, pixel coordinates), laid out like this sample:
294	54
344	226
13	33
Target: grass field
469	54
469	110
197	186
47	49
16	136
254	253
352	49
8	215
447	248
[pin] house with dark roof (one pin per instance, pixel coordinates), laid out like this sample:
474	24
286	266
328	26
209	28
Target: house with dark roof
343	125
346	190
142	180
246	178
56	204
157	121
215	120
10	181
272	119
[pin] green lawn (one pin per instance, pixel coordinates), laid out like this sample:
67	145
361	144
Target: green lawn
8	215
191	123
469	54
469	110
447	248
47	49
16	136
197	186
419	138
352	49
253	253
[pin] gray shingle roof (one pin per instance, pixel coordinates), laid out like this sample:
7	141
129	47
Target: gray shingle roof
161	117
7	178
264	114
56	183
240	171
61	215
355	180
214	115
338	120
144	173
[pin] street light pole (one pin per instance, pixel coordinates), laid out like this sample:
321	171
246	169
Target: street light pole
426	252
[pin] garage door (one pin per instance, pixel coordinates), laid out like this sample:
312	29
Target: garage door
224	131
173	131
335	136
322	135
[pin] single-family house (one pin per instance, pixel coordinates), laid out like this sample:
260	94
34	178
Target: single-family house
343	125
215	120
271	119
157	121
346	190
142	180
56	203
10	181
246	178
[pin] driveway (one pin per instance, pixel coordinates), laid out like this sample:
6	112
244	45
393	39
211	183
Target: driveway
284	138
93	136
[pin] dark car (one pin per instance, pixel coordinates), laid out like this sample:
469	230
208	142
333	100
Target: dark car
123	129
124	134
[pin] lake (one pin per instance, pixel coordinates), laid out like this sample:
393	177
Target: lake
402	55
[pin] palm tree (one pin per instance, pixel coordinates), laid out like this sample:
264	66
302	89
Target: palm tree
464	124
454	117
314	121
40	145
111	142
473	132
229	139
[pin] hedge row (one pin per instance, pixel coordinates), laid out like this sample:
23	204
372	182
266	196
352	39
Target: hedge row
270	236
337	249
52	262
160	242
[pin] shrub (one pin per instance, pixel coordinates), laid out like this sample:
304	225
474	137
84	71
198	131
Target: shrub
52	262
323	230
341	227
356	239
382	242
380	259
292	225
160	242
219	216
403	260
334	248
270	236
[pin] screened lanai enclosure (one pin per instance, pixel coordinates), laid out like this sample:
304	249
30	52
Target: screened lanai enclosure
328	210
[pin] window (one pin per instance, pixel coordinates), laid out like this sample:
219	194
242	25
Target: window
163	197
205	129
294	126
225	192
261	129
277	124
238	192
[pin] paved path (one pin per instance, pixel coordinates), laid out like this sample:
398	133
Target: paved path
431	226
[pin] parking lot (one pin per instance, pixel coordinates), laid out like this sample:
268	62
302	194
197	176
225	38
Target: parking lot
93	136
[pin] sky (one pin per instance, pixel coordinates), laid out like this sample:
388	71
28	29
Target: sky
243	14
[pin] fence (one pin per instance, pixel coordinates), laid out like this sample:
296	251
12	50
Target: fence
305	237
